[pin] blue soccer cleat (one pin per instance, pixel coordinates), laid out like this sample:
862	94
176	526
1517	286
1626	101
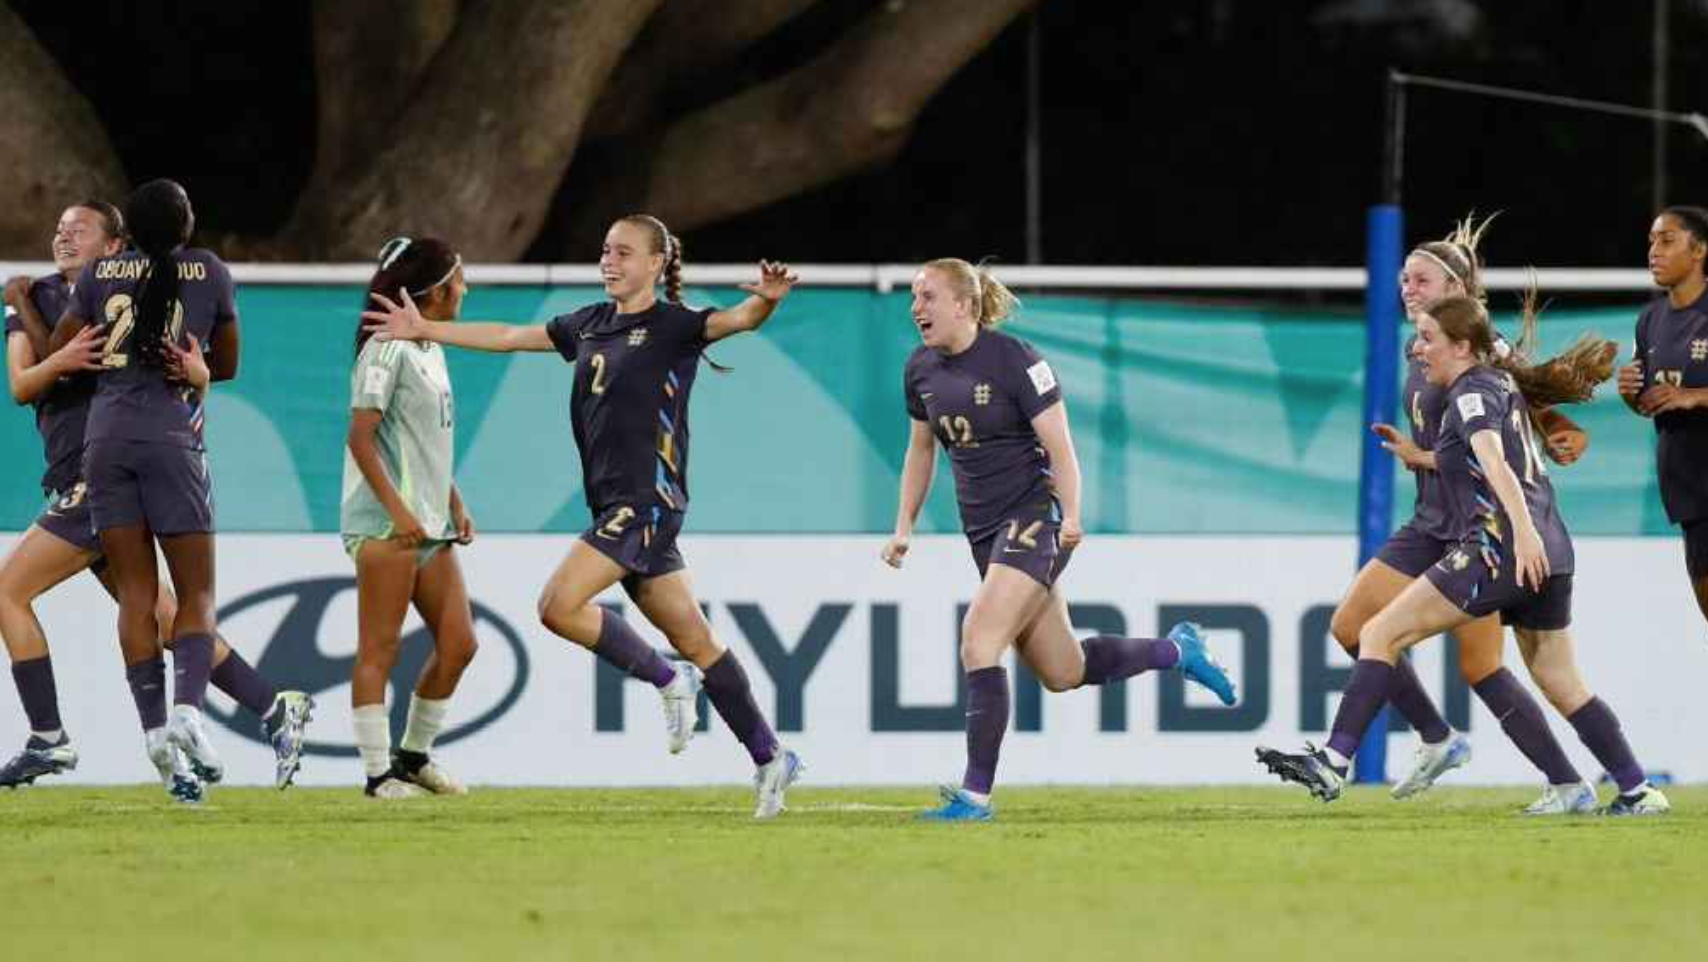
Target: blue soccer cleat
1197	664
38	758
958	806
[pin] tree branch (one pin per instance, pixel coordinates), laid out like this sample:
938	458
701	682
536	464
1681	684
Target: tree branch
684	40
847	111
55	151
479	151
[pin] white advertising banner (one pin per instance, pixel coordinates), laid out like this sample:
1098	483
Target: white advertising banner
857	664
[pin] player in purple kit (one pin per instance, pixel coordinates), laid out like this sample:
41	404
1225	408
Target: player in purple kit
1668	379
1432	272
635	358
144	460
1514	555
62	542
993	403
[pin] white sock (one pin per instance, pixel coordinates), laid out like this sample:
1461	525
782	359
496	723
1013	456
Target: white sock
1337	759
426	716
373	738
983	798
51	737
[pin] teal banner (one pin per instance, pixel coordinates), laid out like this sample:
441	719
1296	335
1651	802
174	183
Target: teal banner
1188	419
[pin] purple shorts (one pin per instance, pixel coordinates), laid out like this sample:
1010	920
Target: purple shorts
642	540
1411	552
1696	549
1032	545
1463	575
163	486
67	518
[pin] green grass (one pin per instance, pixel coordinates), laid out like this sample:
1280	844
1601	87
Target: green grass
1065	874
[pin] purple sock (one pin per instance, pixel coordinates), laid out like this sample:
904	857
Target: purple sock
1407	696
1108	658
732	695
37	692
1599	730
987	722
619	645
243	683
148	689
1363	698
1525	726
192	663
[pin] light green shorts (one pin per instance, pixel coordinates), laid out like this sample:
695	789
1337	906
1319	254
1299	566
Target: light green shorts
423	552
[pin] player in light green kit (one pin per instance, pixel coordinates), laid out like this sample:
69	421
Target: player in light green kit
401	513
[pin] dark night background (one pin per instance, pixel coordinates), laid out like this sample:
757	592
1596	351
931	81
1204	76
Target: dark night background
1174	132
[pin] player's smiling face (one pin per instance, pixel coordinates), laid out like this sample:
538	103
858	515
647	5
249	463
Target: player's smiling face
1443	359
627	263
937	313
1673	251
1423	284
81	237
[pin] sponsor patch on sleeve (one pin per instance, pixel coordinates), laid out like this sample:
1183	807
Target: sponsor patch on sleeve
376	380
1470	406
1042	377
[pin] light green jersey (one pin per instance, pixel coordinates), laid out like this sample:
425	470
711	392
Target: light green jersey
409	384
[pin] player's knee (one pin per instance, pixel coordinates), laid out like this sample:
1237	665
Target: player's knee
165	613
1474	667
1375	642
1058	682
1345	629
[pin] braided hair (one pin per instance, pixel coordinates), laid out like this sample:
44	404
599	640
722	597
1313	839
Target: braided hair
160	222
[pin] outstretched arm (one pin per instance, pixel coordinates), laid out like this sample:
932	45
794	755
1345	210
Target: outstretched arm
775	282
403	322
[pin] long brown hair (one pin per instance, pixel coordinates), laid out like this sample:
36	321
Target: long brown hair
1569	377
413	264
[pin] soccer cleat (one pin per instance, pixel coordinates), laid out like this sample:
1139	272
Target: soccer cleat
773	779
417	769
174	770
1577	798
1310	768
390	787
185	732
1645	799
1431	762
38	758
1197	664
958	806
284	726
682	706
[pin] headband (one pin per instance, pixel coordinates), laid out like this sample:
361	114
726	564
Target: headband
1443	264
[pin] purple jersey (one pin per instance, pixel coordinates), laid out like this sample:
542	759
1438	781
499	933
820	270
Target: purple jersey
1483	399
629	405
1424	402
980	404
1672	343
135	402
64	410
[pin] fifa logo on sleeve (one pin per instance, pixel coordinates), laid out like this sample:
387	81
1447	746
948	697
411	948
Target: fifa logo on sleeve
981	394
637	337
1699	349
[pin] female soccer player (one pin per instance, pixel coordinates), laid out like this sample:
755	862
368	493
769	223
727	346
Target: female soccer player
1668	379
401	514
994	404
635	359
1434	271
62	541
1513	556
144	458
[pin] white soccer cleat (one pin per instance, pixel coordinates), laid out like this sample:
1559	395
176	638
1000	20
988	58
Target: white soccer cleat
773	780
433	778
1645	799
186	733
1430	762
392	788
172	767
682	706
1574	799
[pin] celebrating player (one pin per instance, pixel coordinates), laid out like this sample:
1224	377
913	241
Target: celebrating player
635	358
1514	555
1668	379
1434	271
62	541
400	517
994	404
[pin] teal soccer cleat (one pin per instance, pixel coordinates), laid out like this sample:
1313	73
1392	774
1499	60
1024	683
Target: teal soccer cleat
1197	664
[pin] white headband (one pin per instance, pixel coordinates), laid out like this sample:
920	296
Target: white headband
1450	271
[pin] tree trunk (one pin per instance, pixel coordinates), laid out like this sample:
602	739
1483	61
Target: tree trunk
480	149
55	151
850	109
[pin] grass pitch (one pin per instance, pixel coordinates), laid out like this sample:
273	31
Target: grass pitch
1080	874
